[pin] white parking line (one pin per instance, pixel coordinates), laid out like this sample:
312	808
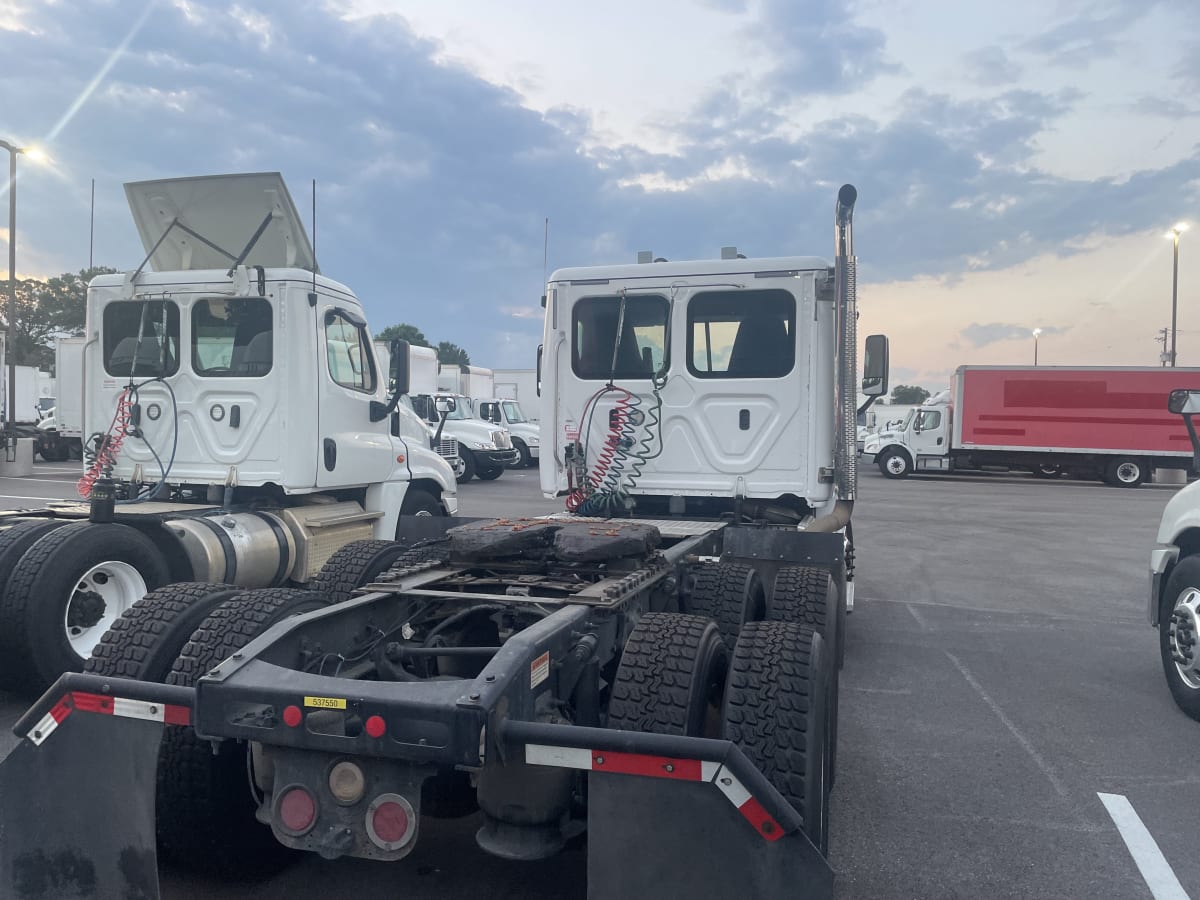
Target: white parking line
1156	871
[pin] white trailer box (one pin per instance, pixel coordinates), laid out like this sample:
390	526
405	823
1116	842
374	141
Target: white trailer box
517	384
473	382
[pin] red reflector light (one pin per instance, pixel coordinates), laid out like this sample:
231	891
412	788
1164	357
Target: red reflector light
292	716
376	726
297	811
391	821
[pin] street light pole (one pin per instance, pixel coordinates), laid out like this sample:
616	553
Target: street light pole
1036	333
1174	234
10	418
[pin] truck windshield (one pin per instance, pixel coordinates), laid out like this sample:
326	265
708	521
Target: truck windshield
231	337
141	338
643	336
512	412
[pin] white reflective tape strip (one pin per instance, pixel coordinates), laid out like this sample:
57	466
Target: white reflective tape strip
42	729
562	757
709	770
137	709
731	787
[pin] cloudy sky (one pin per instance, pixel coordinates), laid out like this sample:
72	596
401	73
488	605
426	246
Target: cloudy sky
1017	162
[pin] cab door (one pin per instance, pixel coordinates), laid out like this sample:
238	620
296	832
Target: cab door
928	433
352	450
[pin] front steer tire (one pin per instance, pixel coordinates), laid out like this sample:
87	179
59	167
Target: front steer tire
1184	579
36	605
205	811
777	712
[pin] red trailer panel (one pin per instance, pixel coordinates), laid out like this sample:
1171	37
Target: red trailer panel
1091	410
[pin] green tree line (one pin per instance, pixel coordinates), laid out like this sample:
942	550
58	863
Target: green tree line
47	309
447	353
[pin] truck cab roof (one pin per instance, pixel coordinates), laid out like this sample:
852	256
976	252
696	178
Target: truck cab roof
690	268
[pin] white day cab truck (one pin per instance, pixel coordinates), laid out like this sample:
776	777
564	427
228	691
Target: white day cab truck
526	434
1174	607
657	666
1091	422
447	402
239	428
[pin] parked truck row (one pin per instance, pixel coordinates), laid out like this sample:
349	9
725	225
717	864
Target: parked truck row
264	606
1100	422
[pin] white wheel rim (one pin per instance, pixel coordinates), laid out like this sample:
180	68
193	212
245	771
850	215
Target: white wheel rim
1128	473
423	512
896	464
117	585
1183	632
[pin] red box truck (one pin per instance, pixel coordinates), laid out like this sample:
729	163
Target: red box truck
1106	422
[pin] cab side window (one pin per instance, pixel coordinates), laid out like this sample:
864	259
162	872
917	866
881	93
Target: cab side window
930	419
348	353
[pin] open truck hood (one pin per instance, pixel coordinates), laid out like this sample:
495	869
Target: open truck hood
209	220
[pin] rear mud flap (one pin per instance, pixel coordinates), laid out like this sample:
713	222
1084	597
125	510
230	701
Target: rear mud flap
679	817
654	837
77	793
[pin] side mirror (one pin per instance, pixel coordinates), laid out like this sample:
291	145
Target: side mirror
445	405
539	368
397	380
875	366
398	365
1183	402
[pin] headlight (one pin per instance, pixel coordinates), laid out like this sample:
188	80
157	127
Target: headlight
533	441
485	445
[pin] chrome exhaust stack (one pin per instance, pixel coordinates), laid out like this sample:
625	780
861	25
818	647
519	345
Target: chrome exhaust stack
846	293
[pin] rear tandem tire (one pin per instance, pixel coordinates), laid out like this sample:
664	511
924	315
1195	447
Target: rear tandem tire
91	571
205	812
356	564
145	641
1126	472
670	678
731	594
14	541
777	712
807	596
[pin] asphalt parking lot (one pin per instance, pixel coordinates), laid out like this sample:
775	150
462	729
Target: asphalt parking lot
999	676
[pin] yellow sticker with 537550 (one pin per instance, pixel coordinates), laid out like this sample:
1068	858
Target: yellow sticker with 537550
325	702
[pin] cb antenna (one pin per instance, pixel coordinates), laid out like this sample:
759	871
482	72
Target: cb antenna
545	251
313	300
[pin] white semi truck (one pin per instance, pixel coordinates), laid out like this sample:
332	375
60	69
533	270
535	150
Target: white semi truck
526	435
665	680
239	428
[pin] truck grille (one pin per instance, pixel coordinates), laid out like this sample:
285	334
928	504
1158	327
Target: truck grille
448	448
502	440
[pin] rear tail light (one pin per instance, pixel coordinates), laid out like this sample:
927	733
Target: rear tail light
296	810
391	821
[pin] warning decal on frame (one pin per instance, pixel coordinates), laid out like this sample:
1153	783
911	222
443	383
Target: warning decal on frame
539	670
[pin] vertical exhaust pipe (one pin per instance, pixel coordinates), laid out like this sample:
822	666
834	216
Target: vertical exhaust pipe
846	292
846	362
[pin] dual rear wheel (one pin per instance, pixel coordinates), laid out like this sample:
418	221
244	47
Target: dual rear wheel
770	697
